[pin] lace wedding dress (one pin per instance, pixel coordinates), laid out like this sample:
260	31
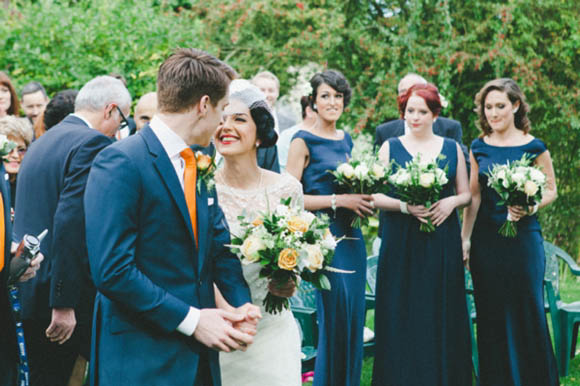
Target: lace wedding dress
274	359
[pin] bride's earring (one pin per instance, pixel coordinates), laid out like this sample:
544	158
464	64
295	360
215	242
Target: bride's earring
516	109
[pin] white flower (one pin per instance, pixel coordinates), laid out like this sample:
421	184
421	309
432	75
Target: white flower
402	177
530	188
3	140
282	210
308	217
441	176
361	171
518	178
378	171
537	176
426	179
500	175
315	258
346	170
250	248
423	164
329	242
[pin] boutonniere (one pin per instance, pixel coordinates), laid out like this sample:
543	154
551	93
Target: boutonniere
6	145
205	170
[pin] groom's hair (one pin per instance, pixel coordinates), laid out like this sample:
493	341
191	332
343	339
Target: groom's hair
189	74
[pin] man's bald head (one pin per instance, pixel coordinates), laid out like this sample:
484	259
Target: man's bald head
145	109
408	81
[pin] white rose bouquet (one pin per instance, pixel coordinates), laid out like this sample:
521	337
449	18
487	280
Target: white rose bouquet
288	243
518	184
6	145
420	183
364	175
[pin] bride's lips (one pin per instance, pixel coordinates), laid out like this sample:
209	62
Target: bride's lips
226	139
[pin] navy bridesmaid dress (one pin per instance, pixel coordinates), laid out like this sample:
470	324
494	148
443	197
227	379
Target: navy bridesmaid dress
341	310
512	332
421	322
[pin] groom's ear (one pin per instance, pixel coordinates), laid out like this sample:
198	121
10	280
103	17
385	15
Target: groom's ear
203	105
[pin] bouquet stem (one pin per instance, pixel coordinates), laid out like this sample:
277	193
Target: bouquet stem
359	222
275	304
508	229
429	227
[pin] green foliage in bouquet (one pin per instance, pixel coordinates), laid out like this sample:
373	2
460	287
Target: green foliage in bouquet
6	145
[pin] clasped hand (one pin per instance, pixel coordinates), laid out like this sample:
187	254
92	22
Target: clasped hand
361	204
228	331
517	212
438	212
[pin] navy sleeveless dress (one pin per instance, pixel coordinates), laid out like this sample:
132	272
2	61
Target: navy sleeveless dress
512	333
421	322
341	310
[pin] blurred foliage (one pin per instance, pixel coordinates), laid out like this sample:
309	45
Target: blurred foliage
456	44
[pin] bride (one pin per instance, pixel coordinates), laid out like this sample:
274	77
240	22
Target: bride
243	188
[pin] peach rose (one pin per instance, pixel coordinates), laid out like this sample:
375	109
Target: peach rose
257	222
297	224
203	161
288	259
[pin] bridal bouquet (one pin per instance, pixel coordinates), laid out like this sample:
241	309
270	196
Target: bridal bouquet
288	243
420	183
364	175
517	183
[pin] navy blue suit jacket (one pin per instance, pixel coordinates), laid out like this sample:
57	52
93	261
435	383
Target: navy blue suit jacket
147	269
49	195
8	348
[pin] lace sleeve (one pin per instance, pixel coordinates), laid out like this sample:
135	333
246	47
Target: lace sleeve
293	188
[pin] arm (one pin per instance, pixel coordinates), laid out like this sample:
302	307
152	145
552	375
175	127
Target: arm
444	207
470	211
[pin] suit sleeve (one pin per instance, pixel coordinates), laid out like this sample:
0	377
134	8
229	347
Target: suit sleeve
378	138
69	264
227	267
111	211
456	132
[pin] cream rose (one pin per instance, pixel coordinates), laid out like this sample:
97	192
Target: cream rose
251	248
297	224
378	171
361	171
308	217
426	179
530	188
346	170
288	259
537	176
441	176
315	257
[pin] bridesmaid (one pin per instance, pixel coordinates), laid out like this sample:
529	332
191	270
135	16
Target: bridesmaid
341	310
512	333
421	321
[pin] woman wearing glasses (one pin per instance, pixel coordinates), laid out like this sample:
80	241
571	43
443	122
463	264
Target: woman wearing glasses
17	130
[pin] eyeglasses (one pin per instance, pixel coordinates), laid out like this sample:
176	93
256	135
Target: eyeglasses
124	121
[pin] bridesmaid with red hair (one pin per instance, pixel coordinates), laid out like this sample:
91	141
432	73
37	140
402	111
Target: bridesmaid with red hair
421	321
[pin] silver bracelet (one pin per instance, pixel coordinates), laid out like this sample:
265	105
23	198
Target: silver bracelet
403	206
333	202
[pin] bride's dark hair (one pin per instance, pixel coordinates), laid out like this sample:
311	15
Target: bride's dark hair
264	121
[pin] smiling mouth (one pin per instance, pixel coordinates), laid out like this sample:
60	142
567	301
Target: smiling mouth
227	139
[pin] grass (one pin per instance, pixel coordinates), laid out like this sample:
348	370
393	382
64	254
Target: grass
570	292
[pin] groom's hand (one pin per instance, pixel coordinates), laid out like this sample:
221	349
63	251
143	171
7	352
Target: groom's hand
251	315
215	329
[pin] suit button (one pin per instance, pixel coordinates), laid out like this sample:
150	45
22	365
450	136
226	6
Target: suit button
200	283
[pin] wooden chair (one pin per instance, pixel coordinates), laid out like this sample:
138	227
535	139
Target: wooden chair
565	316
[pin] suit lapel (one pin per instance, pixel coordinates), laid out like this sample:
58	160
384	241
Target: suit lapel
167	173
203	223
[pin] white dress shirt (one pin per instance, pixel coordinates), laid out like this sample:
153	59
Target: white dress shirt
173	145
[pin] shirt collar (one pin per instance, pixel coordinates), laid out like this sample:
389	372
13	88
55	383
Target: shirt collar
171	142
82	119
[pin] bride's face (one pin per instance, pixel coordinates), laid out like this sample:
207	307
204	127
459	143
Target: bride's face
237	132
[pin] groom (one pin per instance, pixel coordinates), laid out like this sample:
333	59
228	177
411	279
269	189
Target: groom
156	242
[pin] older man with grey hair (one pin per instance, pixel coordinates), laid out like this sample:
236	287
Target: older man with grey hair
57	304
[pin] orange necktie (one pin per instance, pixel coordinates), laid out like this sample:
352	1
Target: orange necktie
2	233
189	179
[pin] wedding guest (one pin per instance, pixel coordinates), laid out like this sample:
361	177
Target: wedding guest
308	120
19	131
340	310
9	104
145	109
421	322
274	359
157	243
61	105
57	305
512	333
34	100
269	84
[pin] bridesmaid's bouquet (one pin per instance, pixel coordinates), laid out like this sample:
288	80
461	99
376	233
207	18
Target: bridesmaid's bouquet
364	175
517	183
288	243
6	145
420	183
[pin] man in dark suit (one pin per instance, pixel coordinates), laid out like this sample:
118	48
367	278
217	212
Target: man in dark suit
442	126
157	243
57	304
8	342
